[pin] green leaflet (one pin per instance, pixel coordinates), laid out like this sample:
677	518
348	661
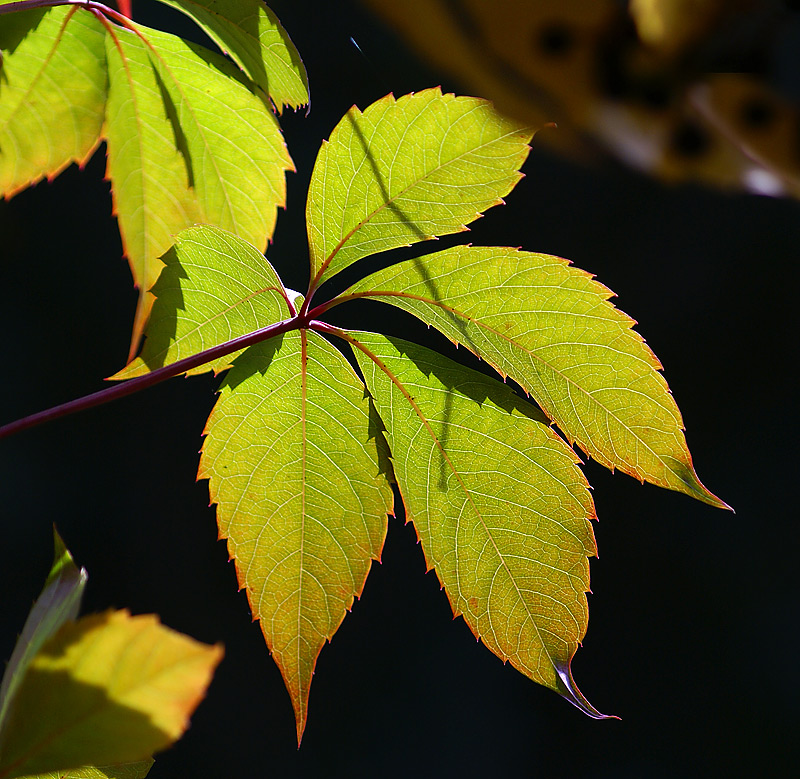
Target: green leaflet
497	500
52	93
58	603
214	287
107	689
551	328
253	37
230	141
136	770
297	471
407	170
150	184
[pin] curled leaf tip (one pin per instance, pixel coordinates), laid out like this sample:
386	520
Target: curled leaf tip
567	688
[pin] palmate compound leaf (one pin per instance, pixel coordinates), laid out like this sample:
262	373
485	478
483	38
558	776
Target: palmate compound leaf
500	507
214	287
406	170
232	150
298	471
108	689
254	38
551	327
52	93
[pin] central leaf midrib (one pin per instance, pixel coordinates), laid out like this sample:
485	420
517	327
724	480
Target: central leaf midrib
396	381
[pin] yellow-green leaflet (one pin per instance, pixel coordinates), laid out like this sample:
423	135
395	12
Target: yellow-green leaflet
405	170
53	93
499	504
550	327
298	471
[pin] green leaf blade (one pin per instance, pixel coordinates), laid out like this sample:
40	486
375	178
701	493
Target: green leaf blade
254	38
52	94
214	287
500	507
58	603
551	328
150	186
295	468
235	151
407	170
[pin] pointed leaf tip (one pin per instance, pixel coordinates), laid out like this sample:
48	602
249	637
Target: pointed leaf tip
567	688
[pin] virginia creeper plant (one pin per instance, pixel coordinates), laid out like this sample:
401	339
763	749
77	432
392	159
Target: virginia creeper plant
315	423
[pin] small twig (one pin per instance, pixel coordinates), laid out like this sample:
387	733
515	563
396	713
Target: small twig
131	386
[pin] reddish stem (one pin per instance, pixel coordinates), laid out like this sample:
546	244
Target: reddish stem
154	377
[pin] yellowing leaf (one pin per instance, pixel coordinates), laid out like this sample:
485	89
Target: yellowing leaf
499	505
150	184
58	602
254	38
214	287
551	328
296	469
52	93
137	770
108	689
407	170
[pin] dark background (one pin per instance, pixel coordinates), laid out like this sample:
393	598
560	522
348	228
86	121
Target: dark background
692	637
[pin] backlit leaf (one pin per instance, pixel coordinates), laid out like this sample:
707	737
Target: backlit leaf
232	143
52	93
107	689
58	602
253	37
499	504
406	170
214	287
297	471
551	328
150	183
137	770
229	139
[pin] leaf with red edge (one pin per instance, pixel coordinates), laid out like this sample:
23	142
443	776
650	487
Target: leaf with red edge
298	471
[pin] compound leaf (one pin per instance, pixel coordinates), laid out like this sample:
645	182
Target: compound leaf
551	328
296	468
214	287
150	182
501	509
253	37
52	93
407	170
107	689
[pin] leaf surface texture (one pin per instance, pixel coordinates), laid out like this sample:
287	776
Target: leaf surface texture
550	327
405	170
499	504
232	148
215	287
296	469
52	93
